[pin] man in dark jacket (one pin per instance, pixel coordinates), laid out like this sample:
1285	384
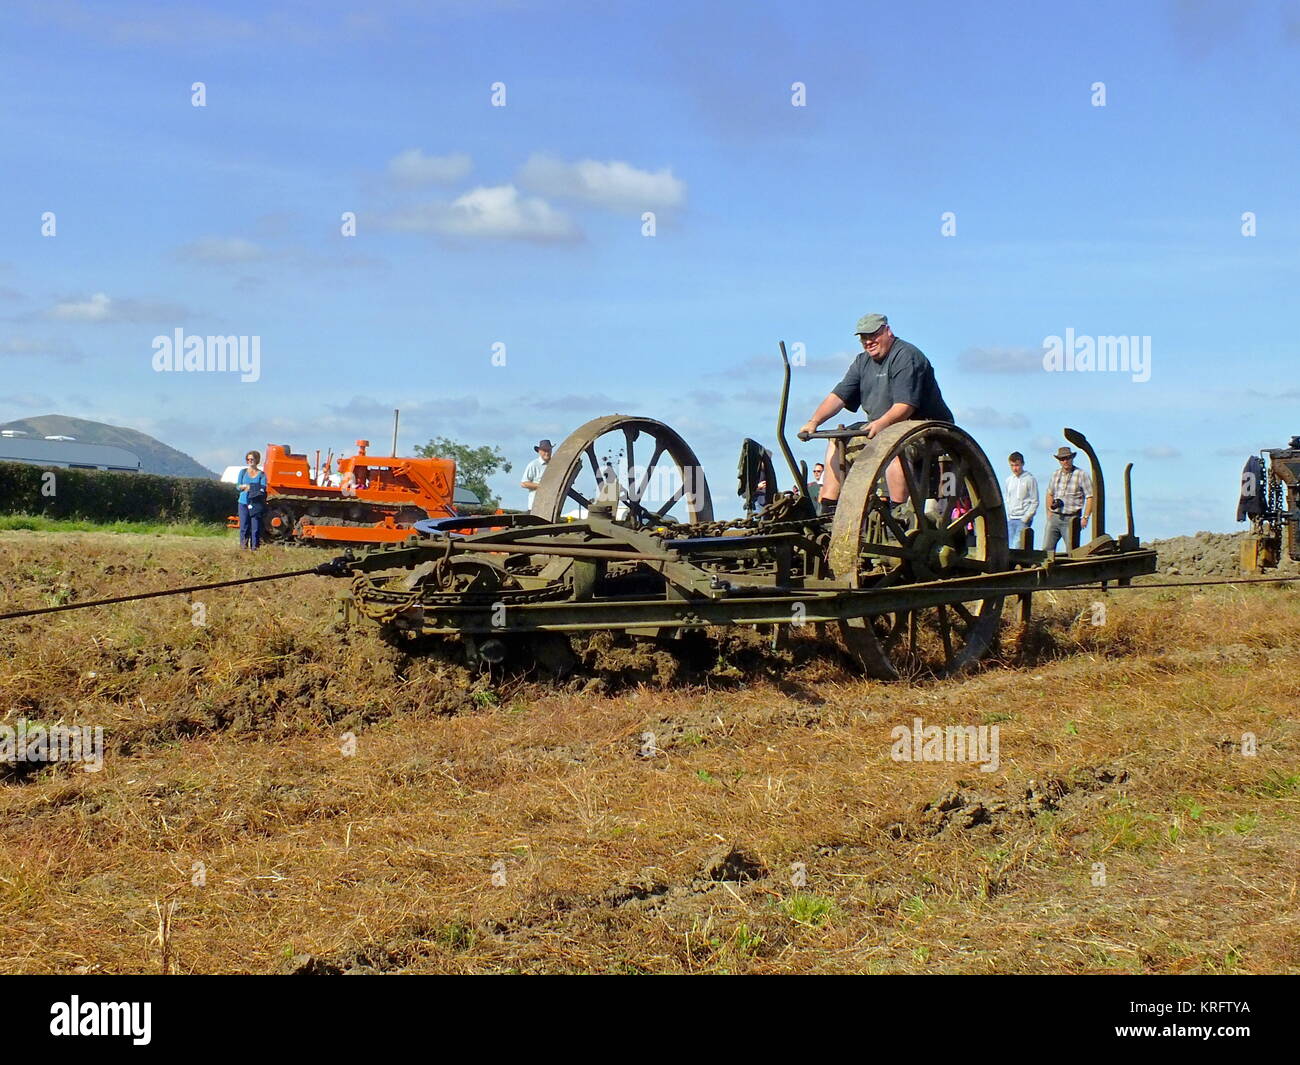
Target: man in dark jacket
891	381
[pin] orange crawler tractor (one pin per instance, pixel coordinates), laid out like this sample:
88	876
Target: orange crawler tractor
370	500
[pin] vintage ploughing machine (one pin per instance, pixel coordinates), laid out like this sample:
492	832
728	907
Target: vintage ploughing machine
1270	501
622	537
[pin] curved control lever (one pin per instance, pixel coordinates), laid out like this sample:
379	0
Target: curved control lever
833	434
1098	481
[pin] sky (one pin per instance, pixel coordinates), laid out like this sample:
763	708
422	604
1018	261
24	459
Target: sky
989	176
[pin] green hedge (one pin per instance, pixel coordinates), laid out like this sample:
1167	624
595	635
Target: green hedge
98	495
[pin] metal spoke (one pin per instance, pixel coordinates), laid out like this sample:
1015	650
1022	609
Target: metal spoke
957	470
913	492
901	621
949	504
945	632
669	505
966	615
630	435
927	470
891	576
636	508
660	448
893	524
967	518
888	551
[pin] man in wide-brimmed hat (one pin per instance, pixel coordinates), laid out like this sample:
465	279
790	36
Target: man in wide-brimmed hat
1069	495
534	471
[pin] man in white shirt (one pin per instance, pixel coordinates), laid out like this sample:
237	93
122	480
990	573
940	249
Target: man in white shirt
534	470
1021	496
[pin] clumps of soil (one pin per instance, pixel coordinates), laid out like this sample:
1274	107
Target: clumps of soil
684	728
732	863
651	890
966	809
723	658
647	886
309	965
620	660
365	682
368	960
1207	554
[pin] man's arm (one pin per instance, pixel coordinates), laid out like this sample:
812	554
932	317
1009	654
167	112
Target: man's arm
829	406
1086	482
1031	497
529	473
899	412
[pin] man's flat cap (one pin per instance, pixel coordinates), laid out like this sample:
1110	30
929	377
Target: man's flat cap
869	323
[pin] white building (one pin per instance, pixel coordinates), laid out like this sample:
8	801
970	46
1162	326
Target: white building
66	453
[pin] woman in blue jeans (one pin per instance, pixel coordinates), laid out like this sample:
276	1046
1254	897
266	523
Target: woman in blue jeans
252	501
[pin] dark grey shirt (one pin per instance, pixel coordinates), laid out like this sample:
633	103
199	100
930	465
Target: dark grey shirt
903	376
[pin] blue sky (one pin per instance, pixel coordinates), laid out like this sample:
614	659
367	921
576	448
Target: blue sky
521	225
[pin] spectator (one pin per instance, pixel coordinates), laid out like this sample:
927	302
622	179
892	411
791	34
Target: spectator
252	502
815	485
535	470
1021	495
1069	495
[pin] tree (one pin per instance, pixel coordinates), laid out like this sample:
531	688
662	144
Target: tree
474	465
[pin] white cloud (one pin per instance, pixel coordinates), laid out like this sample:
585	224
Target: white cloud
498	212
16	345
413	167
101	308
96	308
1161	451
1001	360
221	250
615	185
989	418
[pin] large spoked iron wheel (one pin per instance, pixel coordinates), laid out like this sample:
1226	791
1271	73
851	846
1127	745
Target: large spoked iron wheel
659	477
951	524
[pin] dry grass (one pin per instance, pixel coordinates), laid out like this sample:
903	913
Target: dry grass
486	826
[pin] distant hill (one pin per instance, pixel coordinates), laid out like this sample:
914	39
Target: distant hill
155	456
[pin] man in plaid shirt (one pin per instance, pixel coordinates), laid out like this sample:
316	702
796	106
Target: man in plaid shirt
1069	494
